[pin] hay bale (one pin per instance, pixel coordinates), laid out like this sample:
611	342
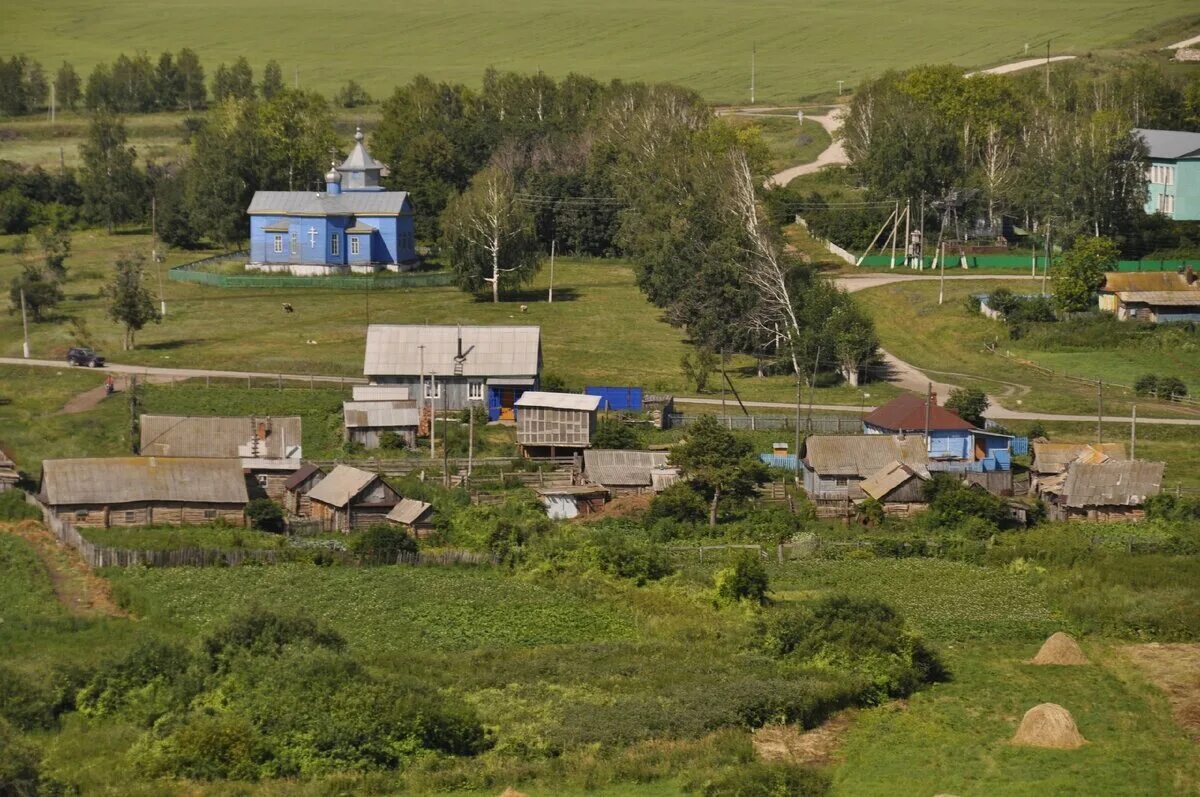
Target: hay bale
1048	725
511	792
1060	649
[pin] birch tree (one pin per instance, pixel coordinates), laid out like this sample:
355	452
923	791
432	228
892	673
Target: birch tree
489	235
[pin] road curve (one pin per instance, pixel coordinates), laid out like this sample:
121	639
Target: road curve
185	373
833	155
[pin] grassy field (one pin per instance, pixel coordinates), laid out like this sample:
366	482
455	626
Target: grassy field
800	49
788	141
952	340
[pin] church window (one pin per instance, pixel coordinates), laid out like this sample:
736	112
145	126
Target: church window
295	244
354	244
335	247
278	244
312	237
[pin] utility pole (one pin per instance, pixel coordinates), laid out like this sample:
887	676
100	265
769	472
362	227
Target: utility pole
134	436
445	448
753	66
432	412
724	412
553	245
1046	265
421	353
162	298
840	82
907	234
812	387
942	271
1099	412
928	408
1048	67
1133	434
24	326
799	382
921	253
470	438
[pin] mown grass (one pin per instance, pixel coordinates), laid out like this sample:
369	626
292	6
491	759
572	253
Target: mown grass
788	141
951	341
707	48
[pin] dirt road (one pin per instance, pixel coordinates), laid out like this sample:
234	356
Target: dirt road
834	154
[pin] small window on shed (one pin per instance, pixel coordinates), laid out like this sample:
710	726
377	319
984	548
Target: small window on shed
81	514
261	478
131	516
210	514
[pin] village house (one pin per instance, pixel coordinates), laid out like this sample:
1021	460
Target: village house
1048	468
8	473
366	422
296	488
1157	297
416	517
144	491
1107	492
628	472
452	367
1173	176
268	447
954	445
836	467
353	225
549	424
349	499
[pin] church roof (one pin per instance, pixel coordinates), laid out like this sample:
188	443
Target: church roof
307	203
359	160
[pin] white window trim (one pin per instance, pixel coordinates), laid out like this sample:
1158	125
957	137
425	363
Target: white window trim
278	246
294	243
437	389
475	391
354	246
335	247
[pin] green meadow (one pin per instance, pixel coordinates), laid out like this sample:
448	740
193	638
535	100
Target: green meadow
800	48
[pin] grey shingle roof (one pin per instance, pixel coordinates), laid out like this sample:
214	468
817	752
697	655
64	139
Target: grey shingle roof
201	436
347	203
862	455
559	401
123	480
392	350
622	468
1170	144
341	486
1112	483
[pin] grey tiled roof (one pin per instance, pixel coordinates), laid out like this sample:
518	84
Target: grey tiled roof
392	350
347	203
409	510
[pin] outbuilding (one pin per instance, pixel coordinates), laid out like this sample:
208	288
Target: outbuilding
625	472
415	516
8	473
366	422
1156	297
1106	492
297	487
552	423
144	491
565	503
349	499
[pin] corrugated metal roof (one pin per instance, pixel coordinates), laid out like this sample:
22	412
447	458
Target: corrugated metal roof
883	481
907	414
1138	281
381	393
392	350
123	480
359	160
341	485
301	476
1112	483
862	455
347	203
559	401
1162	298
200	436
1170	144
622	468
408	511
379	414
1055	457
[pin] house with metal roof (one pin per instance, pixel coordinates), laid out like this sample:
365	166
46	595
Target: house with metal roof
552	423
954	444
835	466
1111	491
453	367
144	491
1173	174
1157	297
348	499
353	225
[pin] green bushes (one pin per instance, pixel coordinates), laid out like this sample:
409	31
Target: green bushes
265	515
1167	388
680	502
744	580
142	683
19	760
503	530
383	543
614	433
1165	506
765	779
13	507
622	551
956	505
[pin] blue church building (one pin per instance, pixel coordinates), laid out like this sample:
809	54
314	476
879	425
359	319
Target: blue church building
353	225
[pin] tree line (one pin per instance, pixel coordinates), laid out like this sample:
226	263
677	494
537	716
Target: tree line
140	84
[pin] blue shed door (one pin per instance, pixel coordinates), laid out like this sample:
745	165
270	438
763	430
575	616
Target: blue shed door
493	398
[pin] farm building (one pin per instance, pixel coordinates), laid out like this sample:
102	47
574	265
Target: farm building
624	472
297	487
1108	492
366	422
454	366
1051	460
8	473
415	516
954	445
564	503
349	499
353	225
550	423
835	466
1173	176
269	448
898	486
1157	297
143	491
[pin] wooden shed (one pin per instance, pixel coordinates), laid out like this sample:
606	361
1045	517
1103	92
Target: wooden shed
8	473
898	486
624	472
550	423
1106	492
415	516
297	487
564	503
349	499
366	422
143	491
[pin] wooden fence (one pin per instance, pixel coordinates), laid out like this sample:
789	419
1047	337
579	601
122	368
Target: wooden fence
817	424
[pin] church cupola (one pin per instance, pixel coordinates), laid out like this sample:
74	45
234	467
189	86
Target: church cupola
360	172
333	180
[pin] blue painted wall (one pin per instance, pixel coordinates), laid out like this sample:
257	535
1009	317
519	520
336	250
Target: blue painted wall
952	444
1186	189
394	241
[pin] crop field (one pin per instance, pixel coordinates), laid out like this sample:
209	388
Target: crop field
801	48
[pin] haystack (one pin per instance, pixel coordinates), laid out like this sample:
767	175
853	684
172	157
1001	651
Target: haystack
1048	725
511	792
1060	648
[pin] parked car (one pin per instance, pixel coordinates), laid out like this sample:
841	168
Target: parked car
86	357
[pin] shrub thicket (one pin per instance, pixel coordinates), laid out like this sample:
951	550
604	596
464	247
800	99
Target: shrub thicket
744	580
382	543
265	515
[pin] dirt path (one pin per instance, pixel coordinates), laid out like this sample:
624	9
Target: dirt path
85	401
81	591
1017	66
1184	43
834	154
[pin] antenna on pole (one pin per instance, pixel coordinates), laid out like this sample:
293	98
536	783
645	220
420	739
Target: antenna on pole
753	65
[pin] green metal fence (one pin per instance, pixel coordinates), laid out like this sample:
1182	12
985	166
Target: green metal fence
195	272
1025	262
